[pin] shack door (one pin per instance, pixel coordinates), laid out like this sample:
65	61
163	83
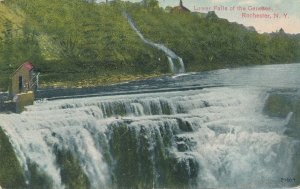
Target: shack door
21	84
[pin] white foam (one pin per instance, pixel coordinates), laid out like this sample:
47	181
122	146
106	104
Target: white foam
235	144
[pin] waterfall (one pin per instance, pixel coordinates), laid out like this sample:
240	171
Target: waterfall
209	138
175	62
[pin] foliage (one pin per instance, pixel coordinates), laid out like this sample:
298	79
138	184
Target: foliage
151	3
210	42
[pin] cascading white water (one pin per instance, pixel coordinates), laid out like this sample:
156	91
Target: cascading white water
171	64
178	66
219	137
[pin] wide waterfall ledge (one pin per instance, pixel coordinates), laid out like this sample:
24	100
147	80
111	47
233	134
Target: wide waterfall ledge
210	138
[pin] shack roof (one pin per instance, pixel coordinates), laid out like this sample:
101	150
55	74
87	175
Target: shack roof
27	65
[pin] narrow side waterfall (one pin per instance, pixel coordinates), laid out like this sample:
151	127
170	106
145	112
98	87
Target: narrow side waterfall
176	63
211	138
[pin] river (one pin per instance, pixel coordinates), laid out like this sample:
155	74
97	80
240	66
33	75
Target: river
229	128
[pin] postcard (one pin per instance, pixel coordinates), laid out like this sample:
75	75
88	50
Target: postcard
139	94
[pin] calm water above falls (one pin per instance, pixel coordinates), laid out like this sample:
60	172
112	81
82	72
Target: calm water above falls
269	76
221	136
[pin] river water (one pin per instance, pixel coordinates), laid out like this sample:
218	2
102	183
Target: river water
194	130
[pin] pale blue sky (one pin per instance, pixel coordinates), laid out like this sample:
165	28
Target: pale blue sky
290	22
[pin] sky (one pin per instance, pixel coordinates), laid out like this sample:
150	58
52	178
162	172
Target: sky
279	14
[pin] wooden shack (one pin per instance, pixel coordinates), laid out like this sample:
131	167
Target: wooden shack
24	83
23	79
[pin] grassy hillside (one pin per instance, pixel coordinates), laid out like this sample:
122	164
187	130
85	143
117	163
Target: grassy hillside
81	42
9	20
7	14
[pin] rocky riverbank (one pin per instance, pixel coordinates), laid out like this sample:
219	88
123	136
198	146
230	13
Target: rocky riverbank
286	104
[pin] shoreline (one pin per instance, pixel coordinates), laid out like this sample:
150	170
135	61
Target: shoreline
98	81
82	81
92	81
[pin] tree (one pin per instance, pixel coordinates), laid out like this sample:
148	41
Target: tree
168	9
151	3
8	43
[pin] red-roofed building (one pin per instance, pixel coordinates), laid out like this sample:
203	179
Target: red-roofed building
23	79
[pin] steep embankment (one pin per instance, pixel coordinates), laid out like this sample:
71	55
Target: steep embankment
74	40
89	43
